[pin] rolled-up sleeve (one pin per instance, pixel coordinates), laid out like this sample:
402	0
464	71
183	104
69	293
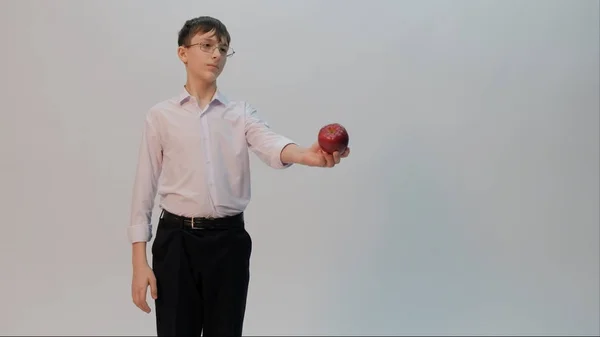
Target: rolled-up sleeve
263	141
145	183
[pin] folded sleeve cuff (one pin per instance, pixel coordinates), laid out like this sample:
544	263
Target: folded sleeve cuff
139	233
276	159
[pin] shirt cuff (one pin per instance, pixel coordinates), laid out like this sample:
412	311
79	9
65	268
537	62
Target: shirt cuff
139	233
276	161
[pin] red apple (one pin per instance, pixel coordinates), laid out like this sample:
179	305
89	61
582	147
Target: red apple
333	137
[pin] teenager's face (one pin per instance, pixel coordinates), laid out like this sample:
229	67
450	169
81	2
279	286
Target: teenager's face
205	56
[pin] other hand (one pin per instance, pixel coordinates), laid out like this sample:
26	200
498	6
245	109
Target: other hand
142	278
315	156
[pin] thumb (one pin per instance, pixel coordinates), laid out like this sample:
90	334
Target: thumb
153	290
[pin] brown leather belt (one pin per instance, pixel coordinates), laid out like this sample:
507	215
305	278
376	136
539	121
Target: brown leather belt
178	221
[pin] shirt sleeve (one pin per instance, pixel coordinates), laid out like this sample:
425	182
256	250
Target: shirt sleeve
145	183
263	141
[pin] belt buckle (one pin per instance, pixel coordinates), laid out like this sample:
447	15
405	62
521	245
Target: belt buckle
192	224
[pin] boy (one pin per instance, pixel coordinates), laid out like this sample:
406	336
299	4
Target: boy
197	143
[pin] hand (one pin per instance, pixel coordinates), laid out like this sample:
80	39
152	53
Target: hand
142	277
315	156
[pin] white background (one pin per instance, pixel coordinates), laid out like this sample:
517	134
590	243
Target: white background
469	204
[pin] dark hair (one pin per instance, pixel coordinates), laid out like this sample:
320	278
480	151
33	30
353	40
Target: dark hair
202	24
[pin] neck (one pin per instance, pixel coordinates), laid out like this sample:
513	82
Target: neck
202	91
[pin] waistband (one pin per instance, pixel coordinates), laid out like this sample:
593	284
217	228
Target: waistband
177	221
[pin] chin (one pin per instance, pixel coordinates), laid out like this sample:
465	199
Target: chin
207	76
212	76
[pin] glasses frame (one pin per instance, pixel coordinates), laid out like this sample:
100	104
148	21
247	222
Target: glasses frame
230	51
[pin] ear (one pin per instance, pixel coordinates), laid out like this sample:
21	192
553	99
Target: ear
182	54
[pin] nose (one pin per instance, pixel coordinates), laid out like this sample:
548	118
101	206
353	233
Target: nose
216	54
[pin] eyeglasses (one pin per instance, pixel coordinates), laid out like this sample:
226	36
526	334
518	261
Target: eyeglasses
208	47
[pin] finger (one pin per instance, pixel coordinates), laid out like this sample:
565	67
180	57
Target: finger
346	153
153	289
329	161
143	305
316	159
135	295
138	301
141	301
322	161
336	157
322	158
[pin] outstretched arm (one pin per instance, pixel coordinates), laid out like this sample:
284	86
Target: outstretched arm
263	141
312	156
280	152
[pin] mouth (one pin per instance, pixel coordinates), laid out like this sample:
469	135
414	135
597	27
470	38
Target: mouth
213	66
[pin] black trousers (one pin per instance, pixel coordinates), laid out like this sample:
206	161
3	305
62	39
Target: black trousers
202	278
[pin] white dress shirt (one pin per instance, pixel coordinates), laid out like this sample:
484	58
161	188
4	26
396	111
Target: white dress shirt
198	160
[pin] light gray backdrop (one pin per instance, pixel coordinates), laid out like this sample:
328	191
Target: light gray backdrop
469	204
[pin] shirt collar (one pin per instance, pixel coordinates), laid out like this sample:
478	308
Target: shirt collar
185	97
